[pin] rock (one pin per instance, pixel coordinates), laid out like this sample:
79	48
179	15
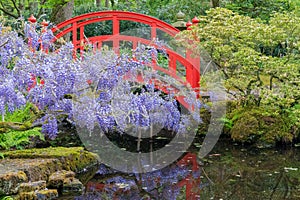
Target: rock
34	165
32	186
47	194
74	159
66	182
27	196
10	182
72	186
38	195
56	180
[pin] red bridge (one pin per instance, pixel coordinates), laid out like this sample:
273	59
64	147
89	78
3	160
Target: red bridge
76	27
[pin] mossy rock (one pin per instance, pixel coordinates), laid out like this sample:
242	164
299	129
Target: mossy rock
10	182
51	152
47	194
15	172
27	195
72	186
38	195
32	186
21	166
74	158
56	180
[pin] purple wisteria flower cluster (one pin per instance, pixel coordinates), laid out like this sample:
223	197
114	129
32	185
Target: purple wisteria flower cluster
114	92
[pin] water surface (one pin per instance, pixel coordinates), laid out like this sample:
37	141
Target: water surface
229	172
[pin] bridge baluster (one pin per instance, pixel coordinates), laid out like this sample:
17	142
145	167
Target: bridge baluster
153	31
116	32
192	65
172	64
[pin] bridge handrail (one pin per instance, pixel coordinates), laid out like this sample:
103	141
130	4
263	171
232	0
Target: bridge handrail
120	15
79	22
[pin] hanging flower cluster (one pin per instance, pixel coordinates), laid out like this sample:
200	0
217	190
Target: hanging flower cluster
103	89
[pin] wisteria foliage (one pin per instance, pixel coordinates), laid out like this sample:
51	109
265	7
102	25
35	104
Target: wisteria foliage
99	89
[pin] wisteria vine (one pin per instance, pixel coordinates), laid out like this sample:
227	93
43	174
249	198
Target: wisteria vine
101	89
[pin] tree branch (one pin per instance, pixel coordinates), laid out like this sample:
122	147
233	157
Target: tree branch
41	8
7	12
16	7
4	43
18	126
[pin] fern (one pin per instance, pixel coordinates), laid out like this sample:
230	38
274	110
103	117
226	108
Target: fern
20	115
18	139
6	198
229	122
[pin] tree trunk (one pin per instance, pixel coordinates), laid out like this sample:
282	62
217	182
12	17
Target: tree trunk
33	6
21	5
112	2
62	12
215	3
106	3
98	3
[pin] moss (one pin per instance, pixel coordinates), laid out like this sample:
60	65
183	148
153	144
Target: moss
50	152
47	194
38	164
32	186
245	128
56	179
10	181
74	159
27	195
260	125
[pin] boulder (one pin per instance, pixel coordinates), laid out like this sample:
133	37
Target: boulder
32	186
72	186
10	181
56	180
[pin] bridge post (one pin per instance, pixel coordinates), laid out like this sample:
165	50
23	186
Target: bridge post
116	33
191	64
153	31
193	74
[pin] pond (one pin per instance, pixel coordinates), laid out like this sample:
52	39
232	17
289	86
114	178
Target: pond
228	172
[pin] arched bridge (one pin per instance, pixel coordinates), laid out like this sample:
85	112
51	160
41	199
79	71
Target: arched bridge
76	27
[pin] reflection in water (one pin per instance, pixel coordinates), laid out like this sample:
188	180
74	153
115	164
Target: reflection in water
228	173
180	180
240	173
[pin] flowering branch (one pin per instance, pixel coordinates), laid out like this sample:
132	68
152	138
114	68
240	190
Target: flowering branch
16	126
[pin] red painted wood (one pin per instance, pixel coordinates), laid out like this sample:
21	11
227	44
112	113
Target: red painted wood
190	182
153	30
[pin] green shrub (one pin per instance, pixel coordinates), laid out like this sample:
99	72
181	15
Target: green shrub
262	124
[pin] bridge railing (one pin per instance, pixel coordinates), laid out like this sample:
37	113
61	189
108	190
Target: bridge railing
76	26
